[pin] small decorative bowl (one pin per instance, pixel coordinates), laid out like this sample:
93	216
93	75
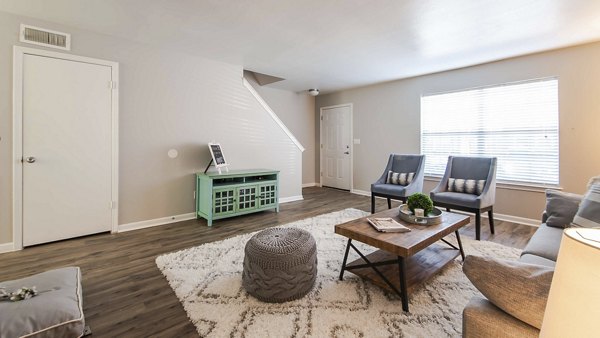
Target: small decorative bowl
434	217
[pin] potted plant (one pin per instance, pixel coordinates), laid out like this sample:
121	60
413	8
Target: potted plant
420	201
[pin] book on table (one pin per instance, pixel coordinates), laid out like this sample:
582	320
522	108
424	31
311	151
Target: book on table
387	224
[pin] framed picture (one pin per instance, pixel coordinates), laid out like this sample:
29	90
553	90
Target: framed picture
217	155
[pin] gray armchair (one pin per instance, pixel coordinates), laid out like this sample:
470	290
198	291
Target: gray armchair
399	164
469	168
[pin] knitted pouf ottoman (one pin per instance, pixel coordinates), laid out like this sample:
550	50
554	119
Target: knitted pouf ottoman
280	264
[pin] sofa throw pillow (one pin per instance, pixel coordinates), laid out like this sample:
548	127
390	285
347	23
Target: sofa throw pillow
519	289
474	187
588	214
561	208
400	178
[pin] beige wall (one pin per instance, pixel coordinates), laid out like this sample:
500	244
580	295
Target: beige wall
386	118
168	101
296	111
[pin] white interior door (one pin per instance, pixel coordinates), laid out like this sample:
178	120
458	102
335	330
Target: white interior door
336	147
67	163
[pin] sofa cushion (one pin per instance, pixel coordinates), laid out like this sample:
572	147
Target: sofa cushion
561	208
519	289
56	311
588	214
545	242
482	319
533	259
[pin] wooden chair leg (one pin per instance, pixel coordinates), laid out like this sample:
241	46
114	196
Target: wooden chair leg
491	218
478	225
372	203
389	203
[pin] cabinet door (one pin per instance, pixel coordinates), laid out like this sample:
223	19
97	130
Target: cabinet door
223	201
267	195
246	198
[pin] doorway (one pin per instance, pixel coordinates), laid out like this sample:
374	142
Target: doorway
65	181
336	146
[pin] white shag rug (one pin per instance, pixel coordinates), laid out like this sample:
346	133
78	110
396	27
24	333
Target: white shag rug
208	281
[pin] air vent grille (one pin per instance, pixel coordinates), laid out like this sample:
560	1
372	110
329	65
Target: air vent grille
45	37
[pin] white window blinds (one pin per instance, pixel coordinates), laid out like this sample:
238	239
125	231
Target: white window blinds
517	123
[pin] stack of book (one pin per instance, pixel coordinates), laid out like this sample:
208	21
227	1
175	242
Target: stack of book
387	224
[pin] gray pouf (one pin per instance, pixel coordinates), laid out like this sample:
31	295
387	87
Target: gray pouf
280	264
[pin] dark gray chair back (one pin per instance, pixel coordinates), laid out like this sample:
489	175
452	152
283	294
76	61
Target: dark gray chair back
477	168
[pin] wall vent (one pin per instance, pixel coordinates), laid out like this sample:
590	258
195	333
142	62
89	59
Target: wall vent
45	37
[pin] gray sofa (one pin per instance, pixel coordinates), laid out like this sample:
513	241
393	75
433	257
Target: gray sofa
481	318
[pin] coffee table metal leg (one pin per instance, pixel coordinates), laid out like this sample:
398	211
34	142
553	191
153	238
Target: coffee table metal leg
462	252
345	259
403	289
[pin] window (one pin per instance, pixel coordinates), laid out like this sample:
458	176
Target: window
517	123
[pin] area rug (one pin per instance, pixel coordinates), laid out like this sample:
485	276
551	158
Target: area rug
207	281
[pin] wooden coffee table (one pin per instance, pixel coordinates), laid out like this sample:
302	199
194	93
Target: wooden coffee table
406	259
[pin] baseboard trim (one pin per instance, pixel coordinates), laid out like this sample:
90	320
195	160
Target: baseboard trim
308	185
501	217
7	247
155	222
361	192
291	199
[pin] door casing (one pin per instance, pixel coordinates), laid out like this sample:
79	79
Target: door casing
17	198
351	126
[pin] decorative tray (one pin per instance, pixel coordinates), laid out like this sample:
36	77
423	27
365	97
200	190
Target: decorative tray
434	217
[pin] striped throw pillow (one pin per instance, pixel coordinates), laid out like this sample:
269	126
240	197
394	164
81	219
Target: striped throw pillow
474	187
588	214
400	178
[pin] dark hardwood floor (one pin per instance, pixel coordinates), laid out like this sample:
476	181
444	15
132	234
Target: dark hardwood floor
125	295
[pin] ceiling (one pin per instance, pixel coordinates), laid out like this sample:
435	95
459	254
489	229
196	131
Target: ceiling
334	45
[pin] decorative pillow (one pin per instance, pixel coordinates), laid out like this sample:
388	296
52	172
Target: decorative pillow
400	178
520	289
474	187
561	208
588	214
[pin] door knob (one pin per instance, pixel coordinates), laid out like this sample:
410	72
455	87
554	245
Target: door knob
30	159
347	152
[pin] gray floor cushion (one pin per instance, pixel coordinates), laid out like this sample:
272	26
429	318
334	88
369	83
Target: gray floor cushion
280	264
57	310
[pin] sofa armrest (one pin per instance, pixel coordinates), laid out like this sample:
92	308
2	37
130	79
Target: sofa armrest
483	319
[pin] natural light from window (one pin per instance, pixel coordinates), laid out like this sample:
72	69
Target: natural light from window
517	123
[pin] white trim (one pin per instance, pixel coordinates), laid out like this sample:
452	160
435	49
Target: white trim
291	199
351	105
18	54
7	247
272	113
22	37
308	185
510	186
156	222
362	192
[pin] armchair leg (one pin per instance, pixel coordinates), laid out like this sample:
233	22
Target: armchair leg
389	203
491	218
477	225
372	203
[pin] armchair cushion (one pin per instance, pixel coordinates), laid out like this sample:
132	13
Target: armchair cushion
561	208
389	189
399	178
519	289
588	214
466	185
457	198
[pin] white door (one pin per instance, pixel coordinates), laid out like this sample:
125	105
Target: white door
66	149
336	147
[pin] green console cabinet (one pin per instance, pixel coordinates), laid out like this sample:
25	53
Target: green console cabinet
236	192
